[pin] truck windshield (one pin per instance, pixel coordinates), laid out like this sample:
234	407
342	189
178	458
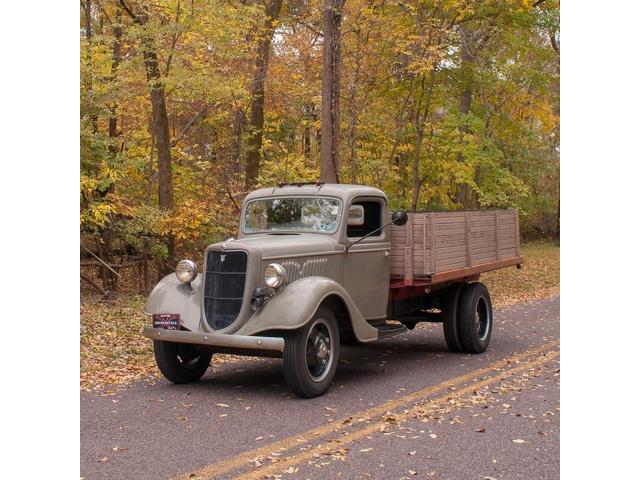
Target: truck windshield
292	214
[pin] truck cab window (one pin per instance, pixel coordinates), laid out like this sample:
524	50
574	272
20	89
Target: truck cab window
372	220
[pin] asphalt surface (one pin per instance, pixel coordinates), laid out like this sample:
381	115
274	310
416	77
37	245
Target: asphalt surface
403	407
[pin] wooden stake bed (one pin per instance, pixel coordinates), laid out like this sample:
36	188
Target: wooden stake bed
439	247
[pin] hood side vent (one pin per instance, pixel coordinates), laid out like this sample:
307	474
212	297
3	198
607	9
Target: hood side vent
309	268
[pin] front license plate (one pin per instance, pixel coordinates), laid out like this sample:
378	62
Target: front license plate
168	321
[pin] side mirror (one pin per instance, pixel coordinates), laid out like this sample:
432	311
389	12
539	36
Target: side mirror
356	215
399	218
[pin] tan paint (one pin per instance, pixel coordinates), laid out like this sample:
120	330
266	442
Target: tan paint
296	303
170	295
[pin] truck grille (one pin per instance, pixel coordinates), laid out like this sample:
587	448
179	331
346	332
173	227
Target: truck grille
224	278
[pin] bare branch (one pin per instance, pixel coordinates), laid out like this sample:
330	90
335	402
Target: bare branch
187	127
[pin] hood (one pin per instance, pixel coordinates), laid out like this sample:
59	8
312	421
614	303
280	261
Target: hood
282	245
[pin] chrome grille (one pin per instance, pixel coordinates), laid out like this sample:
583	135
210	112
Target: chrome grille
224	280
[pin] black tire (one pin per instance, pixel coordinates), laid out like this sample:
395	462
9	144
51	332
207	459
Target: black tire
450	314
475	318
309	373
181	362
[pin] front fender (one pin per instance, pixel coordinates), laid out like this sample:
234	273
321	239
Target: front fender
170	295
294	305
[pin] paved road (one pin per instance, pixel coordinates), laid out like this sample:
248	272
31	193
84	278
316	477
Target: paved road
401	408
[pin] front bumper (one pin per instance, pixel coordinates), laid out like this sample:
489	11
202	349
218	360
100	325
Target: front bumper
221	340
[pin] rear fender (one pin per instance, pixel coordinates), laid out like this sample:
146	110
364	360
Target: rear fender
170	295
295	304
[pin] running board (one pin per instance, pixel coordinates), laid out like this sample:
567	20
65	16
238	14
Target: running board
390	329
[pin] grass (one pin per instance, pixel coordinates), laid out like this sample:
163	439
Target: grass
113	352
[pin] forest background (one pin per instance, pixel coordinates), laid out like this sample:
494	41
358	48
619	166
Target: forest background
188	105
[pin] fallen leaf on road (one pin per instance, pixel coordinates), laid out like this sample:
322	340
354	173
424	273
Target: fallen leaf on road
480	430
412	453
518	440
366	449
222	405
411	472
433	435
103	459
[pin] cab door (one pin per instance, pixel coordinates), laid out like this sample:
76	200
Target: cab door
367	264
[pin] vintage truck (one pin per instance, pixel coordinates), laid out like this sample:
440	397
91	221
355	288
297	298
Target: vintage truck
317	265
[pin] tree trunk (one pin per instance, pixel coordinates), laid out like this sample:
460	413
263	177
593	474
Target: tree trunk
160	126
464	195
115	62
88	81
308	111
330	140
420	119
354	88
236	152
254	144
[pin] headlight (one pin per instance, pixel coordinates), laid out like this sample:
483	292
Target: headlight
274	275
186	271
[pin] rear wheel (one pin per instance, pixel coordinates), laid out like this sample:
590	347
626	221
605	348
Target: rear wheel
450	317
181	362
311	354
475	318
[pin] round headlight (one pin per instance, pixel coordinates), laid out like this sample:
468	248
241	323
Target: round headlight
274	275
186	271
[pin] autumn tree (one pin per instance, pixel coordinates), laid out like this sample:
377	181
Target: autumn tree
160	118
254	144
185	106
330	142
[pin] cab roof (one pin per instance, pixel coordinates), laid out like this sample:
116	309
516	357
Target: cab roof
343	191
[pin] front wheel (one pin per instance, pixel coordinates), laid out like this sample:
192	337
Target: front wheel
311	355
475	320
181	362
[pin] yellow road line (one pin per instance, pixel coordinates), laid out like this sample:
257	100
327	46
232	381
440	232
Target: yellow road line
331	445
218	468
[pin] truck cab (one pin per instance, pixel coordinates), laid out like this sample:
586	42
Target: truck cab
310	269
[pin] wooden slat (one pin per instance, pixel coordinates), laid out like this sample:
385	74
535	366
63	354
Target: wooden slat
517	231
408	251
432	225
467	230
497	235
424	244
433	244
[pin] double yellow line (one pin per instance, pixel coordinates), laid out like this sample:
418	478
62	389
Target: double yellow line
214	470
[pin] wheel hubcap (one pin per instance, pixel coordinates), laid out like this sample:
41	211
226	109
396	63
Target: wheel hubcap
319	352
482	319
